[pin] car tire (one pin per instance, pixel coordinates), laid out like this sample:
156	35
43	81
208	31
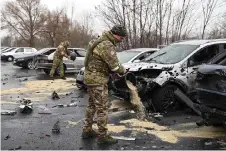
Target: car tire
47	71
164	99
30	65
10	58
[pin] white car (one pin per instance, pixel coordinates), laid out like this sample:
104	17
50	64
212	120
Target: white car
125	57
173	67
13	53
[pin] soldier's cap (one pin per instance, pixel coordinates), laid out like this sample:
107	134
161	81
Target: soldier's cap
119	30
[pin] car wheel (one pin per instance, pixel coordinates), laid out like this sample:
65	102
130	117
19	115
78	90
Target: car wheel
30	65
10	58
164	99
47	71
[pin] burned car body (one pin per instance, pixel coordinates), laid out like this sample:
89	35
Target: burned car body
173	67
211	92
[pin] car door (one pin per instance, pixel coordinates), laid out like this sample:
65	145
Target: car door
79	61
203	56
69	63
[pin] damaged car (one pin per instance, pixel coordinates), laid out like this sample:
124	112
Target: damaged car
211	93
171	68
125	57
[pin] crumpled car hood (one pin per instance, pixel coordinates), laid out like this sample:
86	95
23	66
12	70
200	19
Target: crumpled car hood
143	65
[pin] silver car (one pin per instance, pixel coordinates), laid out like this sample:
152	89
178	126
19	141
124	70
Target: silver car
125	57
45	62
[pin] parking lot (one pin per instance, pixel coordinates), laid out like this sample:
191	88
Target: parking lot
177	130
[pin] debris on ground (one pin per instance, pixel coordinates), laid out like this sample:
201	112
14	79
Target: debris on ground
17	148
124	138
208	143
48	135
23	80
72	124
7	112
26	106
72	104
7	137
149	128
132	111
69	93
44	110
68	105
56	127
55	96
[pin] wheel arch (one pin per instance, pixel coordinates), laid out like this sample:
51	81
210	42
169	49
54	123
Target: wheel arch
179	83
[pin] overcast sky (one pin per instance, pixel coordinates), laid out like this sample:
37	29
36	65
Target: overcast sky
80	6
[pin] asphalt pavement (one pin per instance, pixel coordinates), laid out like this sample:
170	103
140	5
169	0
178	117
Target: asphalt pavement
33	131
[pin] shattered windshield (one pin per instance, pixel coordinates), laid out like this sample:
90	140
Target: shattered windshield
171	54
126	56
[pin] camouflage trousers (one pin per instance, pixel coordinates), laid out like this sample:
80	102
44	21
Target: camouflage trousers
98	103
57	62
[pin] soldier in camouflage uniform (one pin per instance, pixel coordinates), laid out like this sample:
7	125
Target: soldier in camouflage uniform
99	63
58	59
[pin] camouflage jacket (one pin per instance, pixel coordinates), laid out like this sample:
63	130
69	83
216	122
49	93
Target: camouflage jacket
102	61
61	51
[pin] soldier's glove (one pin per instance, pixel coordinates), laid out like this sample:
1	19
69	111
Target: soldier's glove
73	56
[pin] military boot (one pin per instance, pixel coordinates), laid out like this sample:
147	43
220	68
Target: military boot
63	78
107	140
89	134
51	78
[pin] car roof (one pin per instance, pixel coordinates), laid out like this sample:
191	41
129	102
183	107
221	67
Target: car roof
199	42
77	48
67	48
143	49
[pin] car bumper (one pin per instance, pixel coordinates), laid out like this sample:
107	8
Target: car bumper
4	57
20	63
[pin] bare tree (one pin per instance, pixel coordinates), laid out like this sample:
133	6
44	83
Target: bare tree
208	8
25	17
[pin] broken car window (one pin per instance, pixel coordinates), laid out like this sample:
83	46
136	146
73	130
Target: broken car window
171	54
81	53
204	55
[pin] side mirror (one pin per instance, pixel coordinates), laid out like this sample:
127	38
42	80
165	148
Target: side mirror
136	61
